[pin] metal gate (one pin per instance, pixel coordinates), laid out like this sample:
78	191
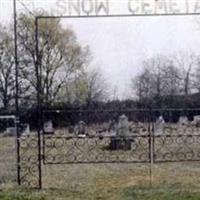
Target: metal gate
92	137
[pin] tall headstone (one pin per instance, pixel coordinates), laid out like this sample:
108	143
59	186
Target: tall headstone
81	129
123	126
121	141
159	125
26	129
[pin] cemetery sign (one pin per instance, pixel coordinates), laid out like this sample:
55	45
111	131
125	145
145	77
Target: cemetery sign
126	7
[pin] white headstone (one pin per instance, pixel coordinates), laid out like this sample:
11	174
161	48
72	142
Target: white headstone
123	126
48	127
159	125
196	121
26	129
183	120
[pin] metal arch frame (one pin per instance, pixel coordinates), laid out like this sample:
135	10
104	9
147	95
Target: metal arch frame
38	73
16	91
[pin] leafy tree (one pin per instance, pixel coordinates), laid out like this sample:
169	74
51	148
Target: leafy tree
60	56
88	87
96	86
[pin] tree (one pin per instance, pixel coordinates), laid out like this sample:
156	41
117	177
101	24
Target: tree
60	57
197	76
96	86
156	66
159	79
88	87
150	83
142	85
7	83
171	77
186	63
166	77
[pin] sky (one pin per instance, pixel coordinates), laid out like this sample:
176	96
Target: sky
120	45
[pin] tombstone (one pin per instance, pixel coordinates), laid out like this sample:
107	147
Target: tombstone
48	128
196	121
25	129
81	129
183	120
10	131
123	126
159	125
121	140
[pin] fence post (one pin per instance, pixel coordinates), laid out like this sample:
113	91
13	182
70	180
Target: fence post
151	147
38	74
16	93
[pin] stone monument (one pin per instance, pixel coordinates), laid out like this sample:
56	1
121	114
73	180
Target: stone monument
48	127
159	125
81	129
121	141
196	121
183	120
25	129
123	126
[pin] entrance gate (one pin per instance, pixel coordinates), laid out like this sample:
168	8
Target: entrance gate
145	142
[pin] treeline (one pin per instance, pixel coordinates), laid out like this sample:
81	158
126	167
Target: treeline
70	82
172	81
99	112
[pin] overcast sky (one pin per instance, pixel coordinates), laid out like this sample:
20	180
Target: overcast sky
119	45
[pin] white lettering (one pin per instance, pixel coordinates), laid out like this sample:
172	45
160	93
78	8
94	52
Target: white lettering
133	6
74	7
102	5
197	7
173	6
161	7
146	7
87	6
187	6
62	7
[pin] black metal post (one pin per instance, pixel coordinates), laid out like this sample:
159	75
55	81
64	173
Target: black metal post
38	74
16	92
151	144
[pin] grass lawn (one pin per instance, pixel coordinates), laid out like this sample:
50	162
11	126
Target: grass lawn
113	194
175	181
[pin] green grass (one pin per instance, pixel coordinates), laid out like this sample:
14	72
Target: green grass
114	194
130	194
10	195
175	181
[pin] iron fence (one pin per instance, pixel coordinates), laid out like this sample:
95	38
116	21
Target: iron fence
92	137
